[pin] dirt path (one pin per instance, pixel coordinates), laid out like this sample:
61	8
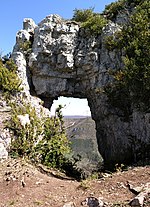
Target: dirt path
21	184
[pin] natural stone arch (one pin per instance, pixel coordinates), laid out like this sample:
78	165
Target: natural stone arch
67	61
81	132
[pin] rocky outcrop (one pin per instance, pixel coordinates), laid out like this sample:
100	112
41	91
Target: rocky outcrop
5	138
142	193
66	60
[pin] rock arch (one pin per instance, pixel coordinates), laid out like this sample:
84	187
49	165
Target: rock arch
66	61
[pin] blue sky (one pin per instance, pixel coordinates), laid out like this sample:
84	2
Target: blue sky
14	11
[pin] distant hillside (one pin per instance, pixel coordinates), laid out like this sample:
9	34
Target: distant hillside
82	134
76	117
82	127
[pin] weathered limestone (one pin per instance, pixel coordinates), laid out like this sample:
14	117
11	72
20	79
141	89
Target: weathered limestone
3	152
22	72
93	202
67	61
29	25
143	193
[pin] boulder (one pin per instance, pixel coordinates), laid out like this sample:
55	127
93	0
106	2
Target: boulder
3	152
93	202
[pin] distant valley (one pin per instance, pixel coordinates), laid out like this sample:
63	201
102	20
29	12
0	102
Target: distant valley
82	134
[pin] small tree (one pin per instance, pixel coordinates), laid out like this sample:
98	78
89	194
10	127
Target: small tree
90	20
132	83
43	140
82	15
9	80
54	146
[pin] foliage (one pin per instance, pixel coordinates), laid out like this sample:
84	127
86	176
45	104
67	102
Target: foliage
114	42
120	6
42	140
133	81
82	15
54	146
95	24
84	184
112	10
26	47
90	20
134	2
119	167
24	137
9	81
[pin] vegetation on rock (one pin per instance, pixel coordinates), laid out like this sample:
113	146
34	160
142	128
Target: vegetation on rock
113	9
26	47
9	81
42	140
53	148
119	7
132	83
94	22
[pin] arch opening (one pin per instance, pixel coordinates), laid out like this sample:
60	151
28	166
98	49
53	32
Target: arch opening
72	107
81	132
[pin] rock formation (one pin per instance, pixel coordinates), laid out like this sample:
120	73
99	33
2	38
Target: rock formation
66	60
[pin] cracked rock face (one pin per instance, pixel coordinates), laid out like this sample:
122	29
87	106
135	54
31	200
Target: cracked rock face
67	61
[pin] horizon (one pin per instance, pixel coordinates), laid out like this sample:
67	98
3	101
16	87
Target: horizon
71	106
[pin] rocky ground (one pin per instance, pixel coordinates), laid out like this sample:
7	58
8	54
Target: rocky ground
22	184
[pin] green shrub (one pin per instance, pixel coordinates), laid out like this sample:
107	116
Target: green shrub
43	140
25	46
134	2
112	10
120	6
54	146
9	80
24	137
135	42
94	22
82	15
114	42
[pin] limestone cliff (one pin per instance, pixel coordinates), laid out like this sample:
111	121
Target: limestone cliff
66	60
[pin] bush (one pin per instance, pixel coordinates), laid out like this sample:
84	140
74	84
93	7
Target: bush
24	137
9	81
120	6
54	146
112	10
82	15
43	140
95	24
90	20
26	46
135	42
